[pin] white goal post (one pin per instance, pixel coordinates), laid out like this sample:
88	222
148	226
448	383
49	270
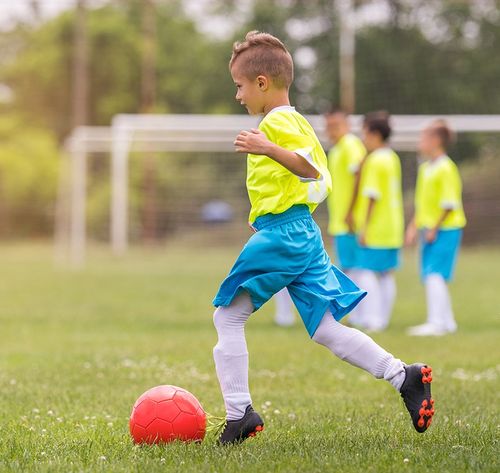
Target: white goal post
184	133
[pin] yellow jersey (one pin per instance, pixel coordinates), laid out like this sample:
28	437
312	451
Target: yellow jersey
271	187
439	188
344	160
381	180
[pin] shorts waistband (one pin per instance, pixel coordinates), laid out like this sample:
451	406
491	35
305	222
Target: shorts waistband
297	212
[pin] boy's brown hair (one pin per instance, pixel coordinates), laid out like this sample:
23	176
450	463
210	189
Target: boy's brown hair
445	134
378	122
264	54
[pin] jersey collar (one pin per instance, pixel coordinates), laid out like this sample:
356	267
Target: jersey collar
282	108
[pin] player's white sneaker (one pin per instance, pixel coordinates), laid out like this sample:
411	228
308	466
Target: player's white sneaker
429	330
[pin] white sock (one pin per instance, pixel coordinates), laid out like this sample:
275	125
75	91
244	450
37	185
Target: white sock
231	355
284	308
439	310
388	292
359	350
370	307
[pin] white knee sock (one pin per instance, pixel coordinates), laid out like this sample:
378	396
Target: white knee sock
388	293
359	350
284	308
370	308
439	310
231	355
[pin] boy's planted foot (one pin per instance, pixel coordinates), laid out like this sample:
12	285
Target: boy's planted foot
236	431
416	394
430	330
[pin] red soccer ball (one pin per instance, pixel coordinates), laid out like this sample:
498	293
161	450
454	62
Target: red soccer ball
167	413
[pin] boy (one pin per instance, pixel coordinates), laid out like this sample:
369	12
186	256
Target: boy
380	223
344	161
287	177
439	217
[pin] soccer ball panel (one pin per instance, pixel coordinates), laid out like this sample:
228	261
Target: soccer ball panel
160	431
167	410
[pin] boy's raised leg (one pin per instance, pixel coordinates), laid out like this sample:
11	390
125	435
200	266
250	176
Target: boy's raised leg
358	349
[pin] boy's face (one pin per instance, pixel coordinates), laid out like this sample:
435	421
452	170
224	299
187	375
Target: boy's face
429	143
249	93
336	126
372	140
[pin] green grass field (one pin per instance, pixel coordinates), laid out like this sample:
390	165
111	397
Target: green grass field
77	348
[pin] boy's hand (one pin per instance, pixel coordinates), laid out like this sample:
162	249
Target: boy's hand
430	235
253	141
411	235
362	238
349	221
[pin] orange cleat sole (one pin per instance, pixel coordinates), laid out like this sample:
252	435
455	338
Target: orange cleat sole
426	411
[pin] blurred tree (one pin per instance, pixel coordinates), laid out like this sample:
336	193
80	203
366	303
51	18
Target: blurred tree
80	73
28	178
191	70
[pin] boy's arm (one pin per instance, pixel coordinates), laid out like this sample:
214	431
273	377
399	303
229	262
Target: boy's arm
256	142
362	236
349	218
411	233
431	234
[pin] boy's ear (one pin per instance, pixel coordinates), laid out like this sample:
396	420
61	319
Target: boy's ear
263	83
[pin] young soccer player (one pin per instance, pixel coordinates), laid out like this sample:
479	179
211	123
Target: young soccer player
380	223
344	162
287	176
439	218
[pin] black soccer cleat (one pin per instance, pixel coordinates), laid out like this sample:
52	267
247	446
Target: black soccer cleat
416	394
236	431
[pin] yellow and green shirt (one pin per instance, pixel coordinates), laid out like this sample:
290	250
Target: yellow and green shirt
271	187
344	160
381	180
439	188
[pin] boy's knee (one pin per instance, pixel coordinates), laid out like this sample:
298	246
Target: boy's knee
218	317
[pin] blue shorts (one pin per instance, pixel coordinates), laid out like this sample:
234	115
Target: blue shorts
346	250
379	260
287	251
440	256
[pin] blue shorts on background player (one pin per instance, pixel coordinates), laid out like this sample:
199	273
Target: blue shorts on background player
439	219
287	177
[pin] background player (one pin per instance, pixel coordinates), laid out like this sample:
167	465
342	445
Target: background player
439	218
344	163
380	223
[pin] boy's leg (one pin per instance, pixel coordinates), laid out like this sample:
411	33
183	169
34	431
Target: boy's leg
388	296
370	308
284	315
439	310
359	350
231	355
412	381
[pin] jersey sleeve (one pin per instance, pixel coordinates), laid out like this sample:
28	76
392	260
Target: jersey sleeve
288	136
